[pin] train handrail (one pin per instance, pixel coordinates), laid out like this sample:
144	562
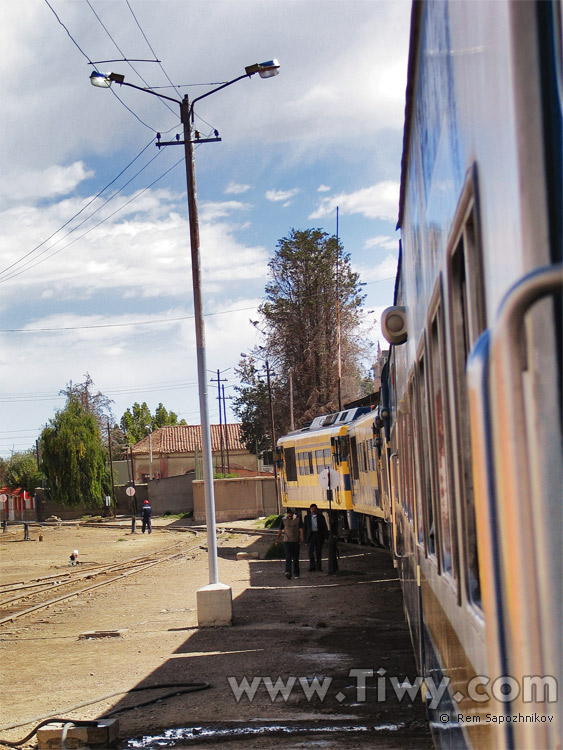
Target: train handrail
519	509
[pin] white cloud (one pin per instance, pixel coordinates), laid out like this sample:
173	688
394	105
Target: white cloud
383	271
323	189
235	188
47	183
376	202
276	196
382	241
212	210
142	251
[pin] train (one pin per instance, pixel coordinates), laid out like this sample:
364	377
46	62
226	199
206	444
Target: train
457	465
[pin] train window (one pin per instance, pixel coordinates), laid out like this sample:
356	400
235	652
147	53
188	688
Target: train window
422	444
407	466
311	465
442	450
416	445
354	457
468	321
290	465
344	444
327	457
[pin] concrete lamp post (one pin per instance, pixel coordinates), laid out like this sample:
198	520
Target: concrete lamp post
214	602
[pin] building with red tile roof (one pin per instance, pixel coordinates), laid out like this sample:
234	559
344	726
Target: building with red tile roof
176	450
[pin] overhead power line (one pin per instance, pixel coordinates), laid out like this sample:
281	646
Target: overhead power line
104	27
37	247
79	48
138	195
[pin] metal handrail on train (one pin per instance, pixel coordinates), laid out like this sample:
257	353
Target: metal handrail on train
530	620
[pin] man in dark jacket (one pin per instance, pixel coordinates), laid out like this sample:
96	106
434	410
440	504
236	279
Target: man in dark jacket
146	516
316	531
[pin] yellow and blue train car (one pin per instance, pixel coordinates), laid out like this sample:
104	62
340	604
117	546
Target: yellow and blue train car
303	454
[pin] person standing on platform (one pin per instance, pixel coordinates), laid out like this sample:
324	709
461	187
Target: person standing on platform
292	528
316	531
146	516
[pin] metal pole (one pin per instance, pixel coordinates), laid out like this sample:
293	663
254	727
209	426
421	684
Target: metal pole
226	430
200	345
220	421
291	419
332	538
111	469
273	436
338	333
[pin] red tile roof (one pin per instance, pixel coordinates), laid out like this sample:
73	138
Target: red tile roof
185	438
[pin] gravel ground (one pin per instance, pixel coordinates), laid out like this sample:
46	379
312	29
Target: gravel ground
285	634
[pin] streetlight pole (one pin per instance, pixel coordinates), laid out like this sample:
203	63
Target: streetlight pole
213	610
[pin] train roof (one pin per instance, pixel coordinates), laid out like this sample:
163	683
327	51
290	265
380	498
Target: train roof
330	421
416	20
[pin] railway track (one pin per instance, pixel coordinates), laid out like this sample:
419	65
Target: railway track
34	595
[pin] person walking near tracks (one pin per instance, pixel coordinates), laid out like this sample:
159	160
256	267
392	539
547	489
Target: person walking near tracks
146	513
292	528
316	531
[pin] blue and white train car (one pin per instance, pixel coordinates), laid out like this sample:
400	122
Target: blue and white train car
475	374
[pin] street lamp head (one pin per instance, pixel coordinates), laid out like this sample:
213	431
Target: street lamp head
104	80
266	69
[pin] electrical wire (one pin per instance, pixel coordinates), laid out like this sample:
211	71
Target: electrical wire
134	198
147	322
79	212
149	44
79	48
181	689
125	56
165	73
111	197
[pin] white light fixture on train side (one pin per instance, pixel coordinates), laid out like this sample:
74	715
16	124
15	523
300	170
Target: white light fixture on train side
394	324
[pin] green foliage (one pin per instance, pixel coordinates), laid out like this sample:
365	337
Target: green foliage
138	421
21	471
272	522
225	476
73	457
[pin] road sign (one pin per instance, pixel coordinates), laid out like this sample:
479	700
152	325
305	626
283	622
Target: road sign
130	491
334	479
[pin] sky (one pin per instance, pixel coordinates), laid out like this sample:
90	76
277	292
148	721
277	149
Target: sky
95	272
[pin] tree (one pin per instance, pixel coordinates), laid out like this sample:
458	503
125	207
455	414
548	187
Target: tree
22	471
92	403
73	457
252	407
162	418
138	421
311	286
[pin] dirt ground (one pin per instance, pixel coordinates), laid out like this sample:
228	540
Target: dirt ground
326	627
